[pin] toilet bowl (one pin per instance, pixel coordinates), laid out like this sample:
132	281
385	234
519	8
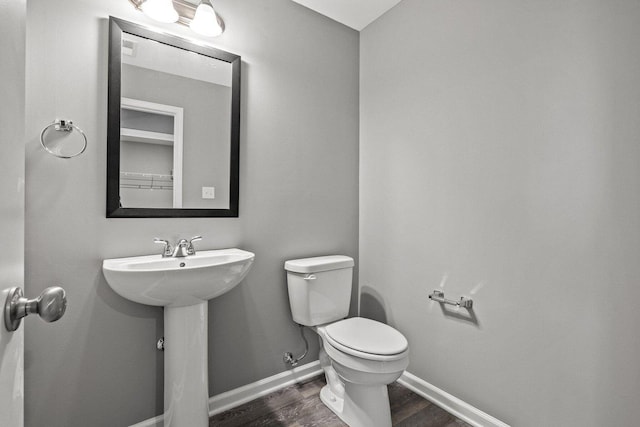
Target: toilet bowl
366	356
359	356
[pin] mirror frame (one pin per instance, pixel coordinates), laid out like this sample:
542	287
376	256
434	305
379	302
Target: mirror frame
116	28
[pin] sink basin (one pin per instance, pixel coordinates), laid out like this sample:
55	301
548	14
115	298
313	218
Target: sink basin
177	282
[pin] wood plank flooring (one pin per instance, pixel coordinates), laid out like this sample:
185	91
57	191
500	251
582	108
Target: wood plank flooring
299	405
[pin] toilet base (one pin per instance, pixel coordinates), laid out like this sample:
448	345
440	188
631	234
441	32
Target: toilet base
361	406
360	403
331	401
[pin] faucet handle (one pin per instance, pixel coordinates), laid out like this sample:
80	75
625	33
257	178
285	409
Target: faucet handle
167	251
191	249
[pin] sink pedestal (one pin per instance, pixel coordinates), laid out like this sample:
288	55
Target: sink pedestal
186	389
182	286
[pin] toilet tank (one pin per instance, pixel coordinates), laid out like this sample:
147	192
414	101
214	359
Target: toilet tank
319	288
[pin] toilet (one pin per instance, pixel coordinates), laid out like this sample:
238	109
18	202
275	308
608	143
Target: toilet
359	356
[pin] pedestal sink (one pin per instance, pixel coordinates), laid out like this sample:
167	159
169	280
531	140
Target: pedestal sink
182	286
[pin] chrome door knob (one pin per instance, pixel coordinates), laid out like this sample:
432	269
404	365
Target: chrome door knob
50	306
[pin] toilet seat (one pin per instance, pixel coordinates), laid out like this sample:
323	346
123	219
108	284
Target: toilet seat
366	339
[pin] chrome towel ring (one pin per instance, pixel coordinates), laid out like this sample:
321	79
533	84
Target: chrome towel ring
62	125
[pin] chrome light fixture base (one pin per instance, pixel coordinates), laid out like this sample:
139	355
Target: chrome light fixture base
185	9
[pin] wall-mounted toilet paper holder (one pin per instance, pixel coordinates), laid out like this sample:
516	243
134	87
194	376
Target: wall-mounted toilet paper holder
438	296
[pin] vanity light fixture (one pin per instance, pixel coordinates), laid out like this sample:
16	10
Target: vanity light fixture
160	10
205	22
202	19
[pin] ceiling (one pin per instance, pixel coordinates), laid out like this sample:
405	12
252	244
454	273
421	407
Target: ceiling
356	14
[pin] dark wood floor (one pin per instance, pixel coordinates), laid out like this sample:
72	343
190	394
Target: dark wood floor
299	406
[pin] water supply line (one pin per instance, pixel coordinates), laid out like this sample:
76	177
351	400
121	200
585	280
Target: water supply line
288	357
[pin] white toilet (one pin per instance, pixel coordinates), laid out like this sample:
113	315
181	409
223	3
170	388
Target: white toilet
359	356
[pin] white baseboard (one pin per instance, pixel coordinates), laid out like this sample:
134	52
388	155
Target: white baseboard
236	397
151	422
449	403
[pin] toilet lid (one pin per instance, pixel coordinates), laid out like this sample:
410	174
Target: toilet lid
367	336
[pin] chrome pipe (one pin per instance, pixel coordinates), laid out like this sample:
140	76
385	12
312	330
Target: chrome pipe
288	356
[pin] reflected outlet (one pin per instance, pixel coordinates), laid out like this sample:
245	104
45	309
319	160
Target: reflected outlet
208	192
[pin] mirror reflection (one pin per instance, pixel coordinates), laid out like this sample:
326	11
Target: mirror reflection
175	112
177	126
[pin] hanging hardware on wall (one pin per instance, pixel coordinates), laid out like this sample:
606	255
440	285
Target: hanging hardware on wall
146	181
438	296
61	125
202	19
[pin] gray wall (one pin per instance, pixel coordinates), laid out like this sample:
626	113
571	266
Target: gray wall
298	197
500	157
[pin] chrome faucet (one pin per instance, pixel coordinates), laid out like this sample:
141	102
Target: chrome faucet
182	249
167	250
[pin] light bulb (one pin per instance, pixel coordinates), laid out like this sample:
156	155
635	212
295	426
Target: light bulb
205	21
160	10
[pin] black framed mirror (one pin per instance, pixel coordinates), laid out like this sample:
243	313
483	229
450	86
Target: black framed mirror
173	135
